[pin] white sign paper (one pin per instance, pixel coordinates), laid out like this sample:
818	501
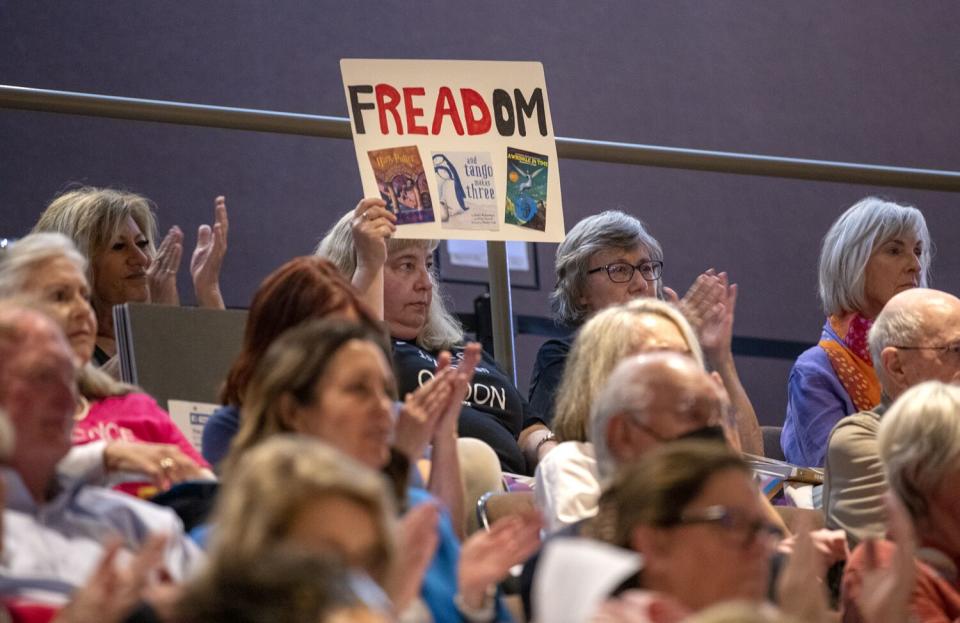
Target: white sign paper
473	254
457	149
190	417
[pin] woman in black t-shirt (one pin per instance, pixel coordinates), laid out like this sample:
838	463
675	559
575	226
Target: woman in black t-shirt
421	327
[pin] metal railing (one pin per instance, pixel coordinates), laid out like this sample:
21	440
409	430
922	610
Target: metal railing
180	113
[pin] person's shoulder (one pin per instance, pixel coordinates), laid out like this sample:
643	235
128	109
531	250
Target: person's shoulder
119	508
556	346
568	456
812	358
225	413
856	425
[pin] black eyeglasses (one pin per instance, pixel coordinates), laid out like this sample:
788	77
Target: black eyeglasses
948	349
622	272
743	531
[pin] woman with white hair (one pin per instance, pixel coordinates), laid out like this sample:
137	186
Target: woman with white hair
140	437
875	249
421	326
610	259
920	448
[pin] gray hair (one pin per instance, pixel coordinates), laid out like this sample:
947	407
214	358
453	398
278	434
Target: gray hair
892	327
442	331
17	264
619	392
919	443
22	257
611	229
852	239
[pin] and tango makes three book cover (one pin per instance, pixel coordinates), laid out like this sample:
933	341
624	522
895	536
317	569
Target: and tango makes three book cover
465	187
465	190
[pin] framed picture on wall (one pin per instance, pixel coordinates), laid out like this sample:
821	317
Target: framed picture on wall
465	261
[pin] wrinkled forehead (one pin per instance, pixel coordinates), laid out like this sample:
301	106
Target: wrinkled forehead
678	399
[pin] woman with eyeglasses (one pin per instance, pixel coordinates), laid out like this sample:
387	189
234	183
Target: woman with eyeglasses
691	509
610	259
875	249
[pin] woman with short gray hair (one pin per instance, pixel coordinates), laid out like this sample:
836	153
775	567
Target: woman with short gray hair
610	259
876	249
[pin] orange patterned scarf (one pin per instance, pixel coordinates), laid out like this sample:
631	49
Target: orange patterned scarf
851	360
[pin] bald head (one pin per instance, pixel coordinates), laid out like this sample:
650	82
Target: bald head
911	340
651	398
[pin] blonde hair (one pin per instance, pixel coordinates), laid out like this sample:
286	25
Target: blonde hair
919	443
442	330
602	343
6	437
92	216
261	498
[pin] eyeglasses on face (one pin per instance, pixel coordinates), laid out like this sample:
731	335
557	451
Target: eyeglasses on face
947	349
743	531
622	272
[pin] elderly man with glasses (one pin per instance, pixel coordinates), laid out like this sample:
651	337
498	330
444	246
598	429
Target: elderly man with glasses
915	338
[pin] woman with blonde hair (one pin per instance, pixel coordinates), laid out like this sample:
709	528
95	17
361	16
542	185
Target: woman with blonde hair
116	231
568	483
331	381
294	493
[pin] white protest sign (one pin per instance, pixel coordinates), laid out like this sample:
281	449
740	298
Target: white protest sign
457	149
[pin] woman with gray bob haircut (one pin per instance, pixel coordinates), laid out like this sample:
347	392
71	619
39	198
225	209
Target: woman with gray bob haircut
876	249
610	259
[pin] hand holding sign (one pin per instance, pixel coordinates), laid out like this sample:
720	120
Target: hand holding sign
457	149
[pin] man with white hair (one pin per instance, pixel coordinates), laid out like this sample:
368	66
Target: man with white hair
915	338
650	399
55	527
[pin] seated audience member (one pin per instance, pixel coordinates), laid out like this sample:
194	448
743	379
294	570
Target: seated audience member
647	400
54	529
283	586
915	338
293	493
919	442
302	289
307	288
116	231
331	380
140	437
874	250
610	259
421	328
567	485
691	509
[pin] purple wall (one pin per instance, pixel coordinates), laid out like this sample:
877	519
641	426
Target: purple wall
866	82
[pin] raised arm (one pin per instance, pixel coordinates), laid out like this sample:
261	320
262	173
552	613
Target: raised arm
372	225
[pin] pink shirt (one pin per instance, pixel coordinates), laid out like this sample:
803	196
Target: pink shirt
132	417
